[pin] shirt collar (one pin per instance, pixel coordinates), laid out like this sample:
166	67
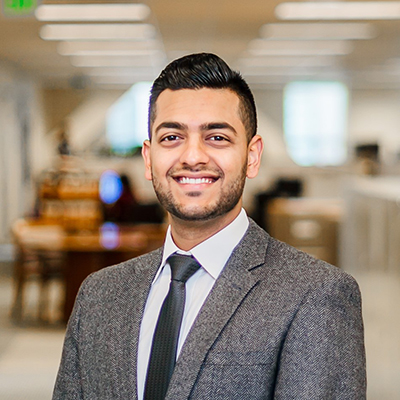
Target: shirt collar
214	252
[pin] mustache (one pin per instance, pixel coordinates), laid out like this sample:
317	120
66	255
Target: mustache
173	171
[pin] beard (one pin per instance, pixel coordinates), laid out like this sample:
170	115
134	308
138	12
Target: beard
227	200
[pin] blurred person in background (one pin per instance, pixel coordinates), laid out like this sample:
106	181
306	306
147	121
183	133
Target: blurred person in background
123	209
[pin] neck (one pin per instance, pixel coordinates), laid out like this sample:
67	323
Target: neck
188	234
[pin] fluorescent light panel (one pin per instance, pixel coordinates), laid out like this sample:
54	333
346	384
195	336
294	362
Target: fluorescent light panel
285	48
92	12
122	80
97	31
261	62
100	61
106	49
97	47
338	10
115	53
132	72
274	79
318	31
280	72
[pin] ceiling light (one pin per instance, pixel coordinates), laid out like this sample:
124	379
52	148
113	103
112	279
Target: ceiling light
279	72
261	62
338	10
122	80
118	71
100	61
285	48
105	49
97	47
97	31
268	81
92	12
318	31
115	53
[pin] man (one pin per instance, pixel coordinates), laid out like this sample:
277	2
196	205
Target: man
261	320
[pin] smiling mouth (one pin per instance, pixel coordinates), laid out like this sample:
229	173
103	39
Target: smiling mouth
194	181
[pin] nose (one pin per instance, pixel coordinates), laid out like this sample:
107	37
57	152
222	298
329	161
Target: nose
194	152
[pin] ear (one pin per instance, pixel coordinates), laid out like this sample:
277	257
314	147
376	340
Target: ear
147	159
255	150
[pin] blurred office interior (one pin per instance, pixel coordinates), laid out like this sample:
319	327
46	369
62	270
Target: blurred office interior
74	82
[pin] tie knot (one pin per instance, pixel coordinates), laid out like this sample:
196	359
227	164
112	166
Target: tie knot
182	267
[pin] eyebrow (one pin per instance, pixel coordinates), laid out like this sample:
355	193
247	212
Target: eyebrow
171	125
204	127
217	125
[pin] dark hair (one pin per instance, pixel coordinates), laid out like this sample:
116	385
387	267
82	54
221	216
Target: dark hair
205	70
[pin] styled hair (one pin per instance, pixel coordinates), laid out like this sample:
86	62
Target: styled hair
205	70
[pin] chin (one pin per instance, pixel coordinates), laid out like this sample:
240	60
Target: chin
201	213
197	214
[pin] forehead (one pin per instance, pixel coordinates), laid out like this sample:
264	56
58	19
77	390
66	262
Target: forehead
198	104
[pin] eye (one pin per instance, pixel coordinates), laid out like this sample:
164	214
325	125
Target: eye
169	138
218	138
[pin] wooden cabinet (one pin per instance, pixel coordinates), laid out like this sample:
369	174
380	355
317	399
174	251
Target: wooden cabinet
309	224
70	199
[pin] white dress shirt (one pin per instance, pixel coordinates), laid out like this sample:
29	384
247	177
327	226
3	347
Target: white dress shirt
212	254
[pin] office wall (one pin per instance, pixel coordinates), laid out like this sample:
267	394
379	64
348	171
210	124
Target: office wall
59	103
16	118
87	122
375	117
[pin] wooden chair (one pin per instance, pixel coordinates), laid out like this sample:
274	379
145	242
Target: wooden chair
41	267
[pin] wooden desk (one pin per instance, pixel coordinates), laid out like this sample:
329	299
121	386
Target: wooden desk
87	251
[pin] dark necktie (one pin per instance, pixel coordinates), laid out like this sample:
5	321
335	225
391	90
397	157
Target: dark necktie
165	339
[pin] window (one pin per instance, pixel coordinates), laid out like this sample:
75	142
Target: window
315	122
126	125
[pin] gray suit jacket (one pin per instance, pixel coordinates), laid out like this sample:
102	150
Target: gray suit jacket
277	324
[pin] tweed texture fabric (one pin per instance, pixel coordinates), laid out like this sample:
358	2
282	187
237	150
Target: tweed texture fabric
278	324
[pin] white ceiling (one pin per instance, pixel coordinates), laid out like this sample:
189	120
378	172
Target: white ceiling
225	27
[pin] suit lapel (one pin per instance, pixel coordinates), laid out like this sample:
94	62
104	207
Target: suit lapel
232	286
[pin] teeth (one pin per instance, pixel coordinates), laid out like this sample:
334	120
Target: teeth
195	181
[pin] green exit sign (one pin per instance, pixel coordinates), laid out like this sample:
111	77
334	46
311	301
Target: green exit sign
16	8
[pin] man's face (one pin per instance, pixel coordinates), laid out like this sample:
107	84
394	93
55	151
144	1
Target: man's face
198	158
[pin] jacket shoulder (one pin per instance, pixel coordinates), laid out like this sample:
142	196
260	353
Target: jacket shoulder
289	263
122	273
